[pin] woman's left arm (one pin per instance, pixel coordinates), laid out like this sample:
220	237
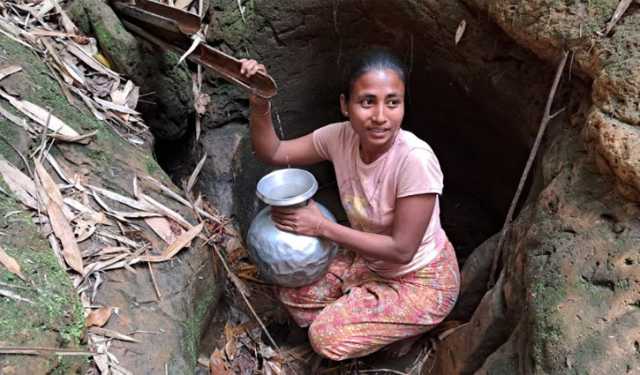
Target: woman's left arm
411	218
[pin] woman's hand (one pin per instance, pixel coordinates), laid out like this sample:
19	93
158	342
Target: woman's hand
307	220
249	68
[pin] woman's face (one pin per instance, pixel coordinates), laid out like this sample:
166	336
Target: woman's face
375	108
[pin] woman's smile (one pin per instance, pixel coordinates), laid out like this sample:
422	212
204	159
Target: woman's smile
378	132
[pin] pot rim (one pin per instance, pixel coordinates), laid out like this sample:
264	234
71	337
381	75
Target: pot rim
310	188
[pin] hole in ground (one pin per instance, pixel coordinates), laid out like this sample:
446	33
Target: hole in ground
477	104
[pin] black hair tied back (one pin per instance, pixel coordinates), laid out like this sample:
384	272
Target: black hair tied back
377	58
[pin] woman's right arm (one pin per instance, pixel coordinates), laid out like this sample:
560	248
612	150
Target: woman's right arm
268	147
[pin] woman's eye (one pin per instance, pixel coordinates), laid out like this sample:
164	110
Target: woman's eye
367	102
393	103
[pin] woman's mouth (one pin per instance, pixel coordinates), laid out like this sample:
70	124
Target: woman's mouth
378	132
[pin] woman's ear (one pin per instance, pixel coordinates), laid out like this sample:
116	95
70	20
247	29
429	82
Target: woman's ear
343	105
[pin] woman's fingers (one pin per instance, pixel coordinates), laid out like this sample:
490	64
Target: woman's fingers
283	220
286	228
283	211
250	67
247	67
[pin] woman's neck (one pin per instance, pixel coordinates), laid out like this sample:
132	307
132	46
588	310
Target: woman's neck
370	154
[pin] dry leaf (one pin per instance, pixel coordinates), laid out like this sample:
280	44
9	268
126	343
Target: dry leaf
40	115
119	96
50	187
182	4
139	205
20	184
63	231
183	240
21	122
11	264
132	98
194	175
45	7
460	31
100	85
201	103
56	167
9	70
108	250
83	139
99	317
218	365
118	108
113	334
167	211
66	22
119	238
273	368
230	346
83	230
57	34
158	186
107	264
162	228
72	71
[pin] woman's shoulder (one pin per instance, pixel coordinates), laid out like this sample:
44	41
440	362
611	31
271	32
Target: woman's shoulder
337	131
409	143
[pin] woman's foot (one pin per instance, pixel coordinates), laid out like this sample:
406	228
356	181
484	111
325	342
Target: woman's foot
401	348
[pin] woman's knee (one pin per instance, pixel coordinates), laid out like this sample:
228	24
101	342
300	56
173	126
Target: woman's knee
327	341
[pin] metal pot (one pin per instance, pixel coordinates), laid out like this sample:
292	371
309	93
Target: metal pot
284	258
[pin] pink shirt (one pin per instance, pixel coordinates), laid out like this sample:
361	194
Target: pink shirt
369	191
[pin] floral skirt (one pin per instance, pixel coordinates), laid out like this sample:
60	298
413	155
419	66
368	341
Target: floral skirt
352	312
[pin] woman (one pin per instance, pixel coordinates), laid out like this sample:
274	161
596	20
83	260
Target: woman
400	276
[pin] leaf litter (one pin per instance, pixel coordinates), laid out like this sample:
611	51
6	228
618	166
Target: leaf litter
79	216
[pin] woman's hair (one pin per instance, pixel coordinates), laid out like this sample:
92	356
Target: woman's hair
377	58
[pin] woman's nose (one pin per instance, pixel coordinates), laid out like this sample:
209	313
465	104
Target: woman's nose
378	114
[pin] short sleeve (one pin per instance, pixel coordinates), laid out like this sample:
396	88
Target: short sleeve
420	173
326	139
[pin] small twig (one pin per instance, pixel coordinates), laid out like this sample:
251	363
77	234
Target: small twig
241	8
235	280
448	332
43	138
180	199
153	277
14	286
24	160
244	297
44	351
14	296
374	371
546	118
617	15
418	364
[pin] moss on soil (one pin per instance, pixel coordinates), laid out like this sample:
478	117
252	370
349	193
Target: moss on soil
548	291
56	316
195	326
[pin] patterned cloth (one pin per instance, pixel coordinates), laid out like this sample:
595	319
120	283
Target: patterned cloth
352	312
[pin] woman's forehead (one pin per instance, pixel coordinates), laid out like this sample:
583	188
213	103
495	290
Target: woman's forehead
379	81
